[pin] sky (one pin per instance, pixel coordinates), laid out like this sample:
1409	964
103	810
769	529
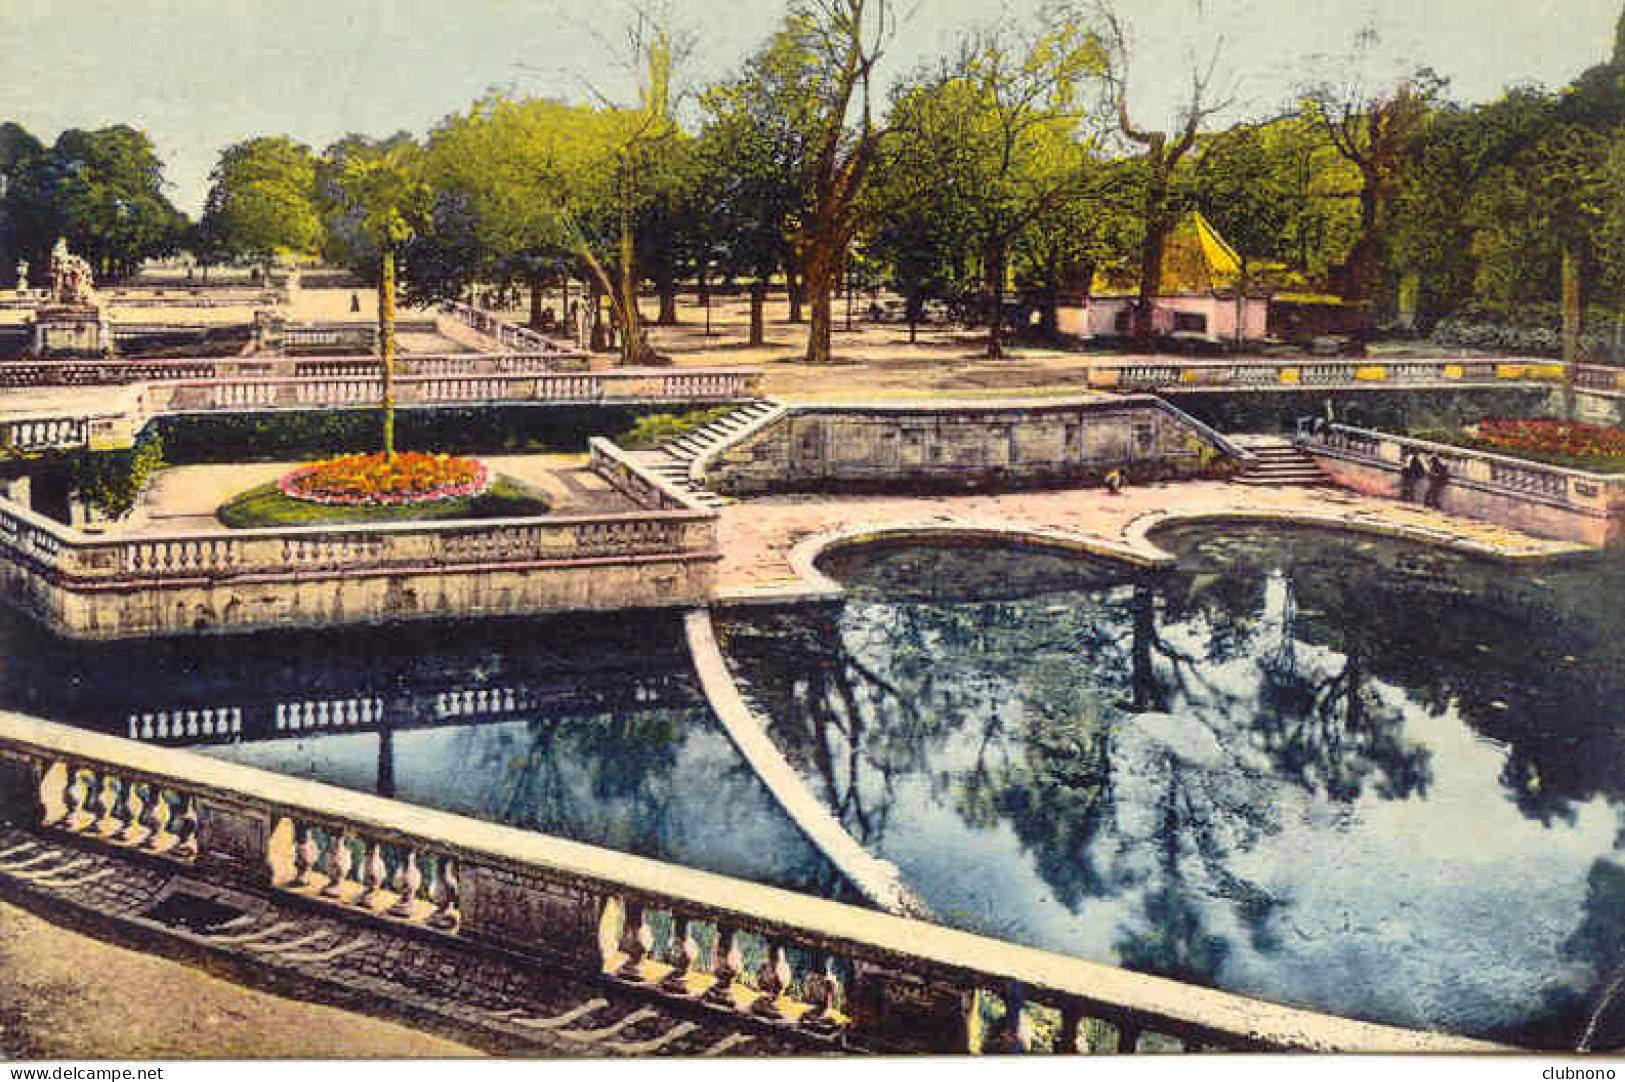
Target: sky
198	75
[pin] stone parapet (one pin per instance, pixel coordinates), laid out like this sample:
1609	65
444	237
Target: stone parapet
857	978
1544	500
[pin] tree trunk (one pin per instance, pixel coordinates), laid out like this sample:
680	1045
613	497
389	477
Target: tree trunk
386	346
1571	324
915	305
536	285
1152	250
993	264
631	332
758	296
795	287
704	288
666	287
818	282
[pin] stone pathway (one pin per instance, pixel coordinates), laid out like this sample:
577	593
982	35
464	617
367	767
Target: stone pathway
489	1001
756	536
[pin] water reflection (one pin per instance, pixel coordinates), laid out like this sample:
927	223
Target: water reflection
591	729
1356	775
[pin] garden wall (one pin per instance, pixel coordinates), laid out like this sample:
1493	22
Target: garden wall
959	445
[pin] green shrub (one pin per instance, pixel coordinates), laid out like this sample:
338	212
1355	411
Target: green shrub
112	481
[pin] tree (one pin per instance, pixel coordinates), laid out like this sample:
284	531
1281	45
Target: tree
102	190
1161	155
842	41
756	154
1377	126
262	200
999	131
384	196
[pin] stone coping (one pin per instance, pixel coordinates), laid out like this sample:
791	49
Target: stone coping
812	919
1456	451
1134	546
877	879
1139	531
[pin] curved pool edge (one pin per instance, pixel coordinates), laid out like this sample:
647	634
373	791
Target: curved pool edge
1137	533
877	880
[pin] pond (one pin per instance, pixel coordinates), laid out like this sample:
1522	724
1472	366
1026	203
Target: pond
590	728
1356	775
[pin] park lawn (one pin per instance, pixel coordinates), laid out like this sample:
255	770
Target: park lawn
265	505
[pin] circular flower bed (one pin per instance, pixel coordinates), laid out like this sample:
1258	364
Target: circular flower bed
374	481
1551	439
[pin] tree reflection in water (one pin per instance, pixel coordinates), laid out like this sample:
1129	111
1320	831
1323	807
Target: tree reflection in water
1181	755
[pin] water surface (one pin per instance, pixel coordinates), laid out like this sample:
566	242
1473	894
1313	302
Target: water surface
1355	775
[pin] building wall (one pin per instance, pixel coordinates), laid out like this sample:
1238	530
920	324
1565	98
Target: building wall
1098	316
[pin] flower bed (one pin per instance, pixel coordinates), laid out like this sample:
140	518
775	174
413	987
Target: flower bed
1570	444
374	481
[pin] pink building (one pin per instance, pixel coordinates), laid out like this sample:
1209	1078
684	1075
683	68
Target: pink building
1201	295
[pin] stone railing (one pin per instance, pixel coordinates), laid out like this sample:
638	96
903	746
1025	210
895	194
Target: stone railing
860	979
1599	377
1594	494
106	586
101	372
1301	372
629	477
505	332
621	385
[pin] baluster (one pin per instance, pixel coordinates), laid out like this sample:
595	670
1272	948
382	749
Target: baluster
131	807
105	820
374	874
186	829
681	956
636	939
825	993
74	793
306	857
444	895
725	963
408	881
1070	1039
774	980
339	862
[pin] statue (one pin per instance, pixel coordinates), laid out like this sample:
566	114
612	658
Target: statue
71	281
22	276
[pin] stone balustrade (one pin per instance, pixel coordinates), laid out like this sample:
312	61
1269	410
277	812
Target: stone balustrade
1597	377
509	334
19	374
103	586
1548	501
858	978
1191	375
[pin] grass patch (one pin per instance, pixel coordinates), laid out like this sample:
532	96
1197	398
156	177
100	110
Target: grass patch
265	505
653	429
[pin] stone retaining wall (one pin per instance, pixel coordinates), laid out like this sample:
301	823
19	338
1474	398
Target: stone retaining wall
989	443
1546	501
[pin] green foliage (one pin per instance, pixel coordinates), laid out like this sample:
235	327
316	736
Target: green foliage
465	430
262	201
265	505
103	190
653	429
112	481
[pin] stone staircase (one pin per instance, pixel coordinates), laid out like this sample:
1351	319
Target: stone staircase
1277	461
672	459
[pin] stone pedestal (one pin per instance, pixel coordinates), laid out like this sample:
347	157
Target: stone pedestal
71	331
270	333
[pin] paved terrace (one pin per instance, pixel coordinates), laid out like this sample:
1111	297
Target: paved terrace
758	537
